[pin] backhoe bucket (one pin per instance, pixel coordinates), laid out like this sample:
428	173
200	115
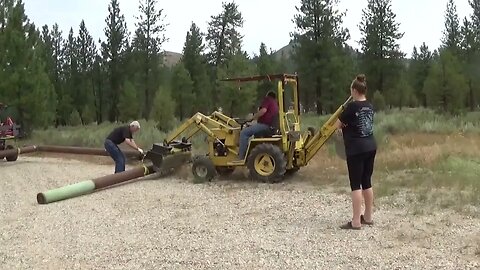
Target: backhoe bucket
168	157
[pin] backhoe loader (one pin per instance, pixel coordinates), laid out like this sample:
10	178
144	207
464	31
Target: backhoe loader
269	157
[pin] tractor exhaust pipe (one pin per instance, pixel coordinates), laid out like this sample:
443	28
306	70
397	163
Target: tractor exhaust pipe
90	186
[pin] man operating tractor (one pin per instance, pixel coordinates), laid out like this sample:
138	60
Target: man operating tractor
118	136
265	117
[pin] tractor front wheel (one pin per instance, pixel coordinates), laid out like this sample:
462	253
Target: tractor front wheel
267	163
203	169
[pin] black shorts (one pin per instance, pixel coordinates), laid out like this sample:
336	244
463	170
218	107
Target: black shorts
360	170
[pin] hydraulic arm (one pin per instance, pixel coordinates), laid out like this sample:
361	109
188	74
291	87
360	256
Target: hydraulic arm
205	123
320	138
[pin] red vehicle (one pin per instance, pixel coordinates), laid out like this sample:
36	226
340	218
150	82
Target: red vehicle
8	131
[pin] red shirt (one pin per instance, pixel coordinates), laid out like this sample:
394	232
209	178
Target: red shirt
272	109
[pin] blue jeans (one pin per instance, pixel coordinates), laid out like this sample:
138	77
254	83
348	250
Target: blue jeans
116	155
245	135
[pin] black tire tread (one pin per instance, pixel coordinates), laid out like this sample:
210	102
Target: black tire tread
280	162
206	162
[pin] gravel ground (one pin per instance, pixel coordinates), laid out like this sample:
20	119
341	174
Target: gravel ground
169	223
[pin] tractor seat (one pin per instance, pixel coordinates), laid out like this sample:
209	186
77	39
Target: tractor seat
273	130
267	133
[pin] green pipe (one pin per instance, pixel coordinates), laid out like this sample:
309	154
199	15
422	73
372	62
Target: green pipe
84	187
66	192
89	186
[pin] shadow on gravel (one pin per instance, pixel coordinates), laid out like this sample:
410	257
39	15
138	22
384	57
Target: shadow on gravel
5	164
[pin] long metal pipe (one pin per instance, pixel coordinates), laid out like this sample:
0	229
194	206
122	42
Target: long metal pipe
65	150
90	186
82	150
18	151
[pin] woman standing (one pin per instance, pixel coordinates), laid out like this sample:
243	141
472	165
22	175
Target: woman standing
356	125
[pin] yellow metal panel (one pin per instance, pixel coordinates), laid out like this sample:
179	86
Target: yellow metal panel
314	144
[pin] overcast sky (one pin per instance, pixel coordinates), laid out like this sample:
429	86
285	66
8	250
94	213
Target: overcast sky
268	21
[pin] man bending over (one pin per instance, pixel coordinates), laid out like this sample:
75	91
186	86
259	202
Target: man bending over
118	136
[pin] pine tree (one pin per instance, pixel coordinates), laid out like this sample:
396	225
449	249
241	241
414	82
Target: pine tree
379	44
446	85
86	56
266	64
24	80
195	63
163	111
320	53
470	46
451	33
418	72
223	40
6	7
470	62
183	94
113	50
72	93
147	44
475	19
40	101
99	85
238	99
55	60
128	99
223	37
403	94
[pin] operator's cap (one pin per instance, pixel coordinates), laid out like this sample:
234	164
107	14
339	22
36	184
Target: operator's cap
135	124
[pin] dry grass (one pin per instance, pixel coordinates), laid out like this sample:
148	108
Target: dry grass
425	171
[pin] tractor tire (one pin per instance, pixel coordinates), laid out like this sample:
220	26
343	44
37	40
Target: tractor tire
203	169
267	163
225	171
11	158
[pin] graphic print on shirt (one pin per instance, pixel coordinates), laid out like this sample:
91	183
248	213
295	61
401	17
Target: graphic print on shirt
365	122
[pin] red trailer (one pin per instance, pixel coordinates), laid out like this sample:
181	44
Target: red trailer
9	131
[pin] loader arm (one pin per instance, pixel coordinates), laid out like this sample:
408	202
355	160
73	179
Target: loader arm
201	122
321	137
227	120
173	152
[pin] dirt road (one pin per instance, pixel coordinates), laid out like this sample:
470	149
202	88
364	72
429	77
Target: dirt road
170	223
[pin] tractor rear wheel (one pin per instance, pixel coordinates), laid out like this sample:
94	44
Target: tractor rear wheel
266	162
203	169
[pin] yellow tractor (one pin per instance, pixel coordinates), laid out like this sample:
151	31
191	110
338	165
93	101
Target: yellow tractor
269	156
